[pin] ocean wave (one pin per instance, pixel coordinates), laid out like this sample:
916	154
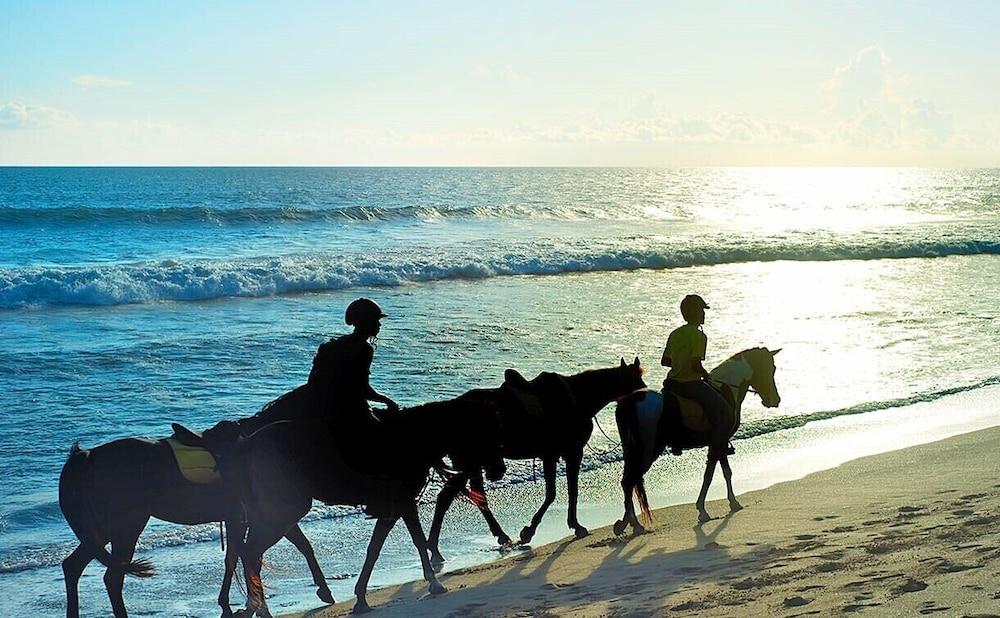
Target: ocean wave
206	280
179	215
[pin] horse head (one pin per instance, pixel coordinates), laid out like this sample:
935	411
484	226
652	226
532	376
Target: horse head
629	376
761	362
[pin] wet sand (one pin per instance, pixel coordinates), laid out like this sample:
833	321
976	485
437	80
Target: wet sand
906	533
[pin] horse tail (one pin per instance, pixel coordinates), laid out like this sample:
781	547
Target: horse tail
640	495
80	514
626	421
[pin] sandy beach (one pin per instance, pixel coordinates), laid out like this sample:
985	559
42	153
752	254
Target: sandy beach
904	533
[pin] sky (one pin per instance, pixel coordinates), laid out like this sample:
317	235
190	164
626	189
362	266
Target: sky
513	83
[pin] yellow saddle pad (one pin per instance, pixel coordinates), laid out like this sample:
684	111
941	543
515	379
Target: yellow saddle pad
530	402
196	464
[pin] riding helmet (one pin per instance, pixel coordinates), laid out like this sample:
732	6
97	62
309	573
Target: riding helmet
363	310
692	302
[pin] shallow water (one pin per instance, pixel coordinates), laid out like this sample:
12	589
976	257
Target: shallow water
130	298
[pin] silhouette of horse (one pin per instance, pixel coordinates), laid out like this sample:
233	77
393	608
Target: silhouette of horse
108	493
559	426
287	465
648	422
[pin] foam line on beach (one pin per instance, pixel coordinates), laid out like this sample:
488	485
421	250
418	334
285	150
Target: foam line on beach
39	556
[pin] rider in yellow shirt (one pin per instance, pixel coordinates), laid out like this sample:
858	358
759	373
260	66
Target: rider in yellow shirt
684	352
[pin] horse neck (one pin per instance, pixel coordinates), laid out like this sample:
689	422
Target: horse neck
429	427
735	373
593	389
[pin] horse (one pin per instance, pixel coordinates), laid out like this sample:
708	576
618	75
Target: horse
108	494
286	466
648	422
559	426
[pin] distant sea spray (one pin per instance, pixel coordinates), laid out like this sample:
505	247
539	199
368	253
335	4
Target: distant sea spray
194	280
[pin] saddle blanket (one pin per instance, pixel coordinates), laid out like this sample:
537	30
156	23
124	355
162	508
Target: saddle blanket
196	464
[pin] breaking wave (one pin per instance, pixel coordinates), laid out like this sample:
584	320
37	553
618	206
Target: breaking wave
205	280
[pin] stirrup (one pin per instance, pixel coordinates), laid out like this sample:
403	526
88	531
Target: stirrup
730	449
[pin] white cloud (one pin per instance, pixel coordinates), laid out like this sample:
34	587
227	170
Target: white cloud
98	81
869	106
21	116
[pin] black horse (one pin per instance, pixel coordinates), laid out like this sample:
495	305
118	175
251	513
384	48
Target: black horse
649	423
108	494
287	465
548	418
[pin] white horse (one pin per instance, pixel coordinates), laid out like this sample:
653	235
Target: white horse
648	422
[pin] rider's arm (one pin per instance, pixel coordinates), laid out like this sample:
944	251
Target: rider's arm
665	360
374	395
698	368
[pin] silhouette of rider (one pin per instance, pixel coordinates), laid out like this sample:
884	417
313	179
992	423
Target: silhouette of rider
341	369
684	352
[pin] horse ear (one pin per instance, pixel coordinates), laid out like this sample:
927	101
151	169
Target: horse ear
623	362
635	363
774	352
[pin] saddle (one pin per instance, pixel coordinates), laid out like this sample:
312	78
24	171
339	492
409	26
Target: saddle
200	455
522	394
692	415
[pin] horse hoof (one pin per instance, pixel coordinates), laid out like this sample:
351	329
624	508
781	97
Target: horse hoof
244	613
526	534
325	595
361	607
436	587
227	613
638	529
735	506
704	517
504	540
619	527
581	532
437	563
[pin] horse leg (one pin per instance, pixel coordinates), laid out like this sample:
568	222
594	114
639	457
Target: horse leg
123	541
549	468
412	522
451	488
573	459
703	515
727	473
382	528
73	567
262	536
234	536
477	484
301	543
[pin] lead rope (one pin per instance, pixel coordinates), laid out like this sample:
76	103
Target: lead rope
222	537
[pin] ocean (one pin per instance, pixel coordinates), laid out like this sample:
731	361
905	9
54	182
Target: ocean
133	297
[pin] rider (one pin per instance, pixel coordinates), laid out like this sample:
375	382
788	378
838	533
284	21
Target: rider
341	368
683	353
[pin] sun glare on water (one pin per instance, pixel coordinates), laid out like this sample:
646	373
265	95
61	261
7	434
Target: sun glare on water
775	199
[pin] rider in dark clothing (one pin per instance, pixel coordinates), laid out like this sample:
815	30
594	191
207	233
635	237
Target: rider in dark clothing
340	373
683	353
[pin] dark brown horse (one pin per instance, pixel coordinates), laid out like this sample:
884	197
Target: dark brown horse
649	422
560	426
288	465
108	493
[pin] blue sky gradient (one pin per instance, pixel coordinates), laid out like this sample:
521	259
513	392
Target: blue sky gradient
450	83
